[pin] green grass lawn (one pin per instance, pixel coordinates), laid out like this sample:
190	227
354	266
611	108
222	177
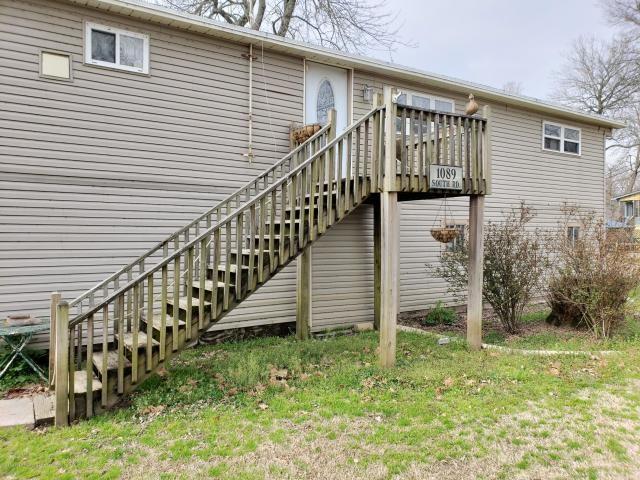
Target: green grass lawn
276	408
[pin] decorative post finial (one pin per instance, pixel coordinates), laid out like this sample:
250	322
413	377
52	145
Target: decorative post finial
472	107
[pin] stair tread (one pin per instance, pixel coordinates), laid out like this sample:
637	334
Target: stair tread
157	322
142	340
183	302
112	361
80	382
208	285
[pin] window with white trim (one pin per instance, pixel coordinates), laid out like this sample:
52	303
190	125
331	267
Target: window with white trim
572	235
561	138
428	102
111	47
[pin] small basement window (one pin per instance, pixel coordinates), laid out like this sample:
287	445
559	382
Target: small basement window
560	138
55	65
572	235
115	48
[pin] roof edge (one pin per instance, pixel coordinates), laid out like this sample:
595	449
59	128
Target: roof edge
162	15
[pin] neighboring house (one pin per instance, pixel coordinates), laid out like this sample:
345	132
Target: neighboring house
122	121
629	212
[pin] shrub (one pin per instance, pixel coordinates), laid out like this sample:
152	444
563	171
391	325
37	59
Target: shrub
440	315
515	260
592	278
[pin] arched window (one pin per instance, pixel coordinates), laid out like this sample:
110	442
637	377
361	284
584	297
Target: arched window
325	101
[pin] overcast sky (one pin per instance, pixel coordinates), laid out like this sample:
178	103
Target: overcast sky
495	41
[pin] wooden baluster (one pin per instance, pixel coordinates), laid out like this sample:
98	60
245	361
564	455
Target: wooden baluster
436	139
79	347
105	354
474	156
150	289
366	184
134	335
452	142
467	141
175	313
403	149
322	160
227	265
480	156
412	151
252	247
421	163
459	162
272	232
292	228
445	140
239	236
163	304
129	300
189	291
186	265
89	368
330	174
261	233
140	272
72	374
348	204
312	195
283	220
339	199
120	325
202	279
375	153
357	188
215	266
302	195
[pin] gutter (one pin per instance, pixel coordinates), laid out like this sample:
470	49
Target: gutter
164	16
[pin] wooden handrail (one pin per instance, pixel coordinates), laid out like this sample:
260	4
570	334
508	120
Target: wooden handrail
235	195
224	222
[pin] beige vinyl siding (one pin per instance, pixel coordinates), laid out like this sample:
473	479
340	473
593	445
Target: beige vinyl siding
95	171
521	171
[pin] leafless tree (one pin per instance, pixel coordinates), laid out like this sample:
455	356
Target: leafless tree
351	25
623	12
600	77
513	87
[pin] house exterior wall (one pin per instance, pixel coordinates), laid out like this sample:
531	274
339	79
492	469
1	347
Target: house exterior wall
95	171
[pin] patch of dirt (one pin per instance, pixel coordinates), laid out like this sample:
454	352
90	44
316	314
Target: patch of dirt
24	391
490	325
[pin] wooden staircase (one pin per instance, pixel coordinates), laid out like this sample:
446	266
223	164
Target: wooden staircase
113	336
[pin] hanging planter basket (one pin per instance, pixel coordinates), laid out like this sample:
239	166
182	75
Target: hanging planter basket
444	234
302	134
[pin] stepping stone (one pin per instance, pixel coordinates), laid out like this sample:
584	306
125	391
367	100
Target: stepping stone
17	411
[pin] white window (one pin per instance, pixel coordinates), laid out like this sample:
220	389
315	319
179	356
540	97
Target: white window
560	138
428	102
458	242
115	48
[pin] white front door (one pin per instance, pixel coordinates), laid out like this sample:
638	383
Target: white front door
327	87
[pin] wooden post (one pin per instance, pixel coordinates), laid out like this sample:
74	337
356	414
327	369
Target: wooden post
389	183
303	295
389	267
62	364
476	254
55	300
376	263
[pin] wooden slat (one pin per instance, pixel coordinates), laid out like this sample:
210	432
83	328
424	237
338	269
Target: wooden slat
176	297
339	199
293	247
252	246
357	193
189	292
403	149
321	183
436	139
283	219
72	364
135	331
163	307
421	162
261	233
120	329
272	232
239	238
104	399
227	266
348	204
202	277
89	367
215	265
365	160
150	290
412	153
302	196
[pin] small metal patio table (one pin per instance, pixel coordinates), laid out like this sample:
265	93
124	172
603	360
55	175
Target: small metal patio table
17	337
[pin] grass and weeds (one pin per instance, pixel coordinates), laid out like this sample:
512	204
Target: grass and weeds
20	374
276	408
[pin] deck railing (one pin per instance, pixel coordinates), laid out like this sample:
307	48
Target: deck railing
331	181
181	237
425	138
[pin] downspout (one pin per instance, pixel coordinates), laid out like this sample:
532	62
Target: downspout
249	153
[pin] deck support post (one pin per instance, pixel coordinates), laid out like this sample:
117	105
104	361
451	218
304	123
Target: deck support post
303	295
53	311
476	257
389	278
377	258
62	365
